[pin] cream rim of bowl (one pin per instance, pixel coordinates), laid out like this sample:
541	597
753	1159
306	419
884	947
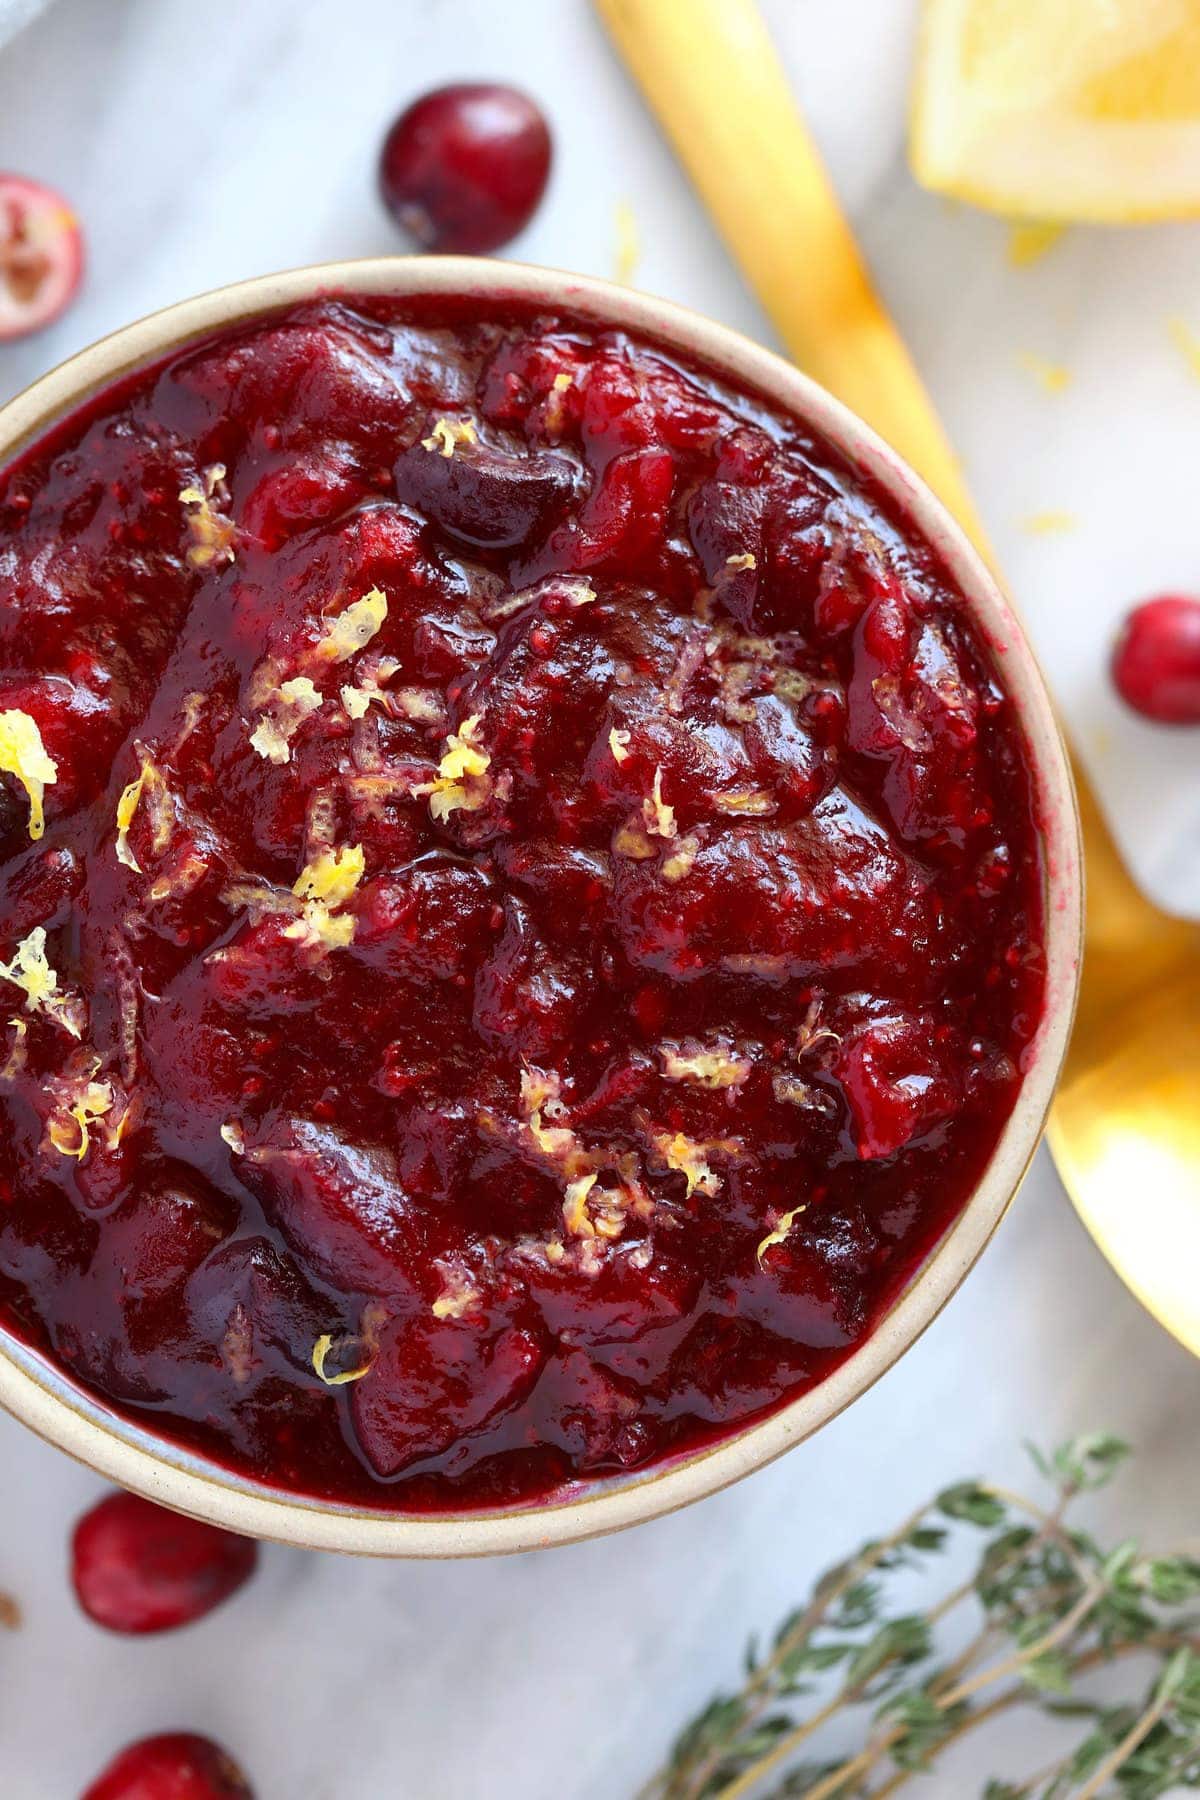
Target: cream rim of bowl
127	1453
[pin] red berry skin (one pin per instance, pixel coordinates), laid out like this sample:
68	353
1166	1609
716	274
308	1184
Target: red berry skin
1156	661
41	256
464	168
178	1765
137	1568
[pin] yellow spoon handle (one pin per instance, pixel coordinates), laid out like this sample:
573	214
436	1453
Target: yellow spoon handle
711	75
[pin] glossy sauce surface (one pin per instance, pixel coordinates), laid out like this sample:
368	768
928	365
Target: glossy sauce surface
542	892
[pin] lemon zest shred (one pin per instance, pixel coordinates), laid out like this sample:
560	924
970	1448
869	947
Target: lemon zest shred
353	628
629	248
446	433
211	532
332	876
1031	239
459	1294
23	754
1053	377
15	1061
324	885
1049	523
540	1093
679	863
460	784
301	692
751	802
356	701
1186	342
659	818
780	1232
684	1156
272	736
31	972
95	1100
127	805
270	743
630	840
320	1351
574	1206
618	743
708	1068
555	413
416	704
746	560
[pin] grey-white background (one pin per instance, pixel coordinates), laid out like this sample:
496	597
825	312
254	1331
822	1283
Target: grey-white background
202	144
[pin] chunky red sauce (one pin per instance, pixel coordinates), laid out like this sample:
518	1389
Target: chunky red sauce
541	902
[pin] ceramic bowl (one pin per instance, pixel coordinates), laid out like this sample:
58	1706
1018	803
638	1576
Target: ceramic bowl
127	1453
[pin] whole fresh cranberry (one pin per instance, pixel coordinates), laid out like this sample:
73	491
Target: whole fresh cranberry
137	1567
464	167
1156	660
41	256
177	1765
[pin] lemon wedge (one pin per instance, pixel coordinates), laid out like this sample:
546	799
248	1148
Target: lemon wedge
1061	109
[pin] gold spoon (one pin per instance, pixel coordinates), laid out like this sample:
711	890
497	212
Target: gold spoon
1125	1130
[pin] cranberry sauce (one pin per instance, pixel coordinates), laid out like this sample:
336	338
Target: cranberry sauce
537	921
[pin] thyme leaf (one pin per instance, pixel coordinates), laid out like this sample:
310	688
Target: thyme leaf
1050	1608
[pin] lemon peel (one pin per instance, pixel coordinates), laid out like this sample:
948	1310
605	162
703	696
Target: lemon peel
461	783
320	1352
658	817
30	970
683	1156
23	754
777	1236
127	806
323	886
708	1067
1050	523
629	248
353	628
446	433
1053	377
212	533
1031	239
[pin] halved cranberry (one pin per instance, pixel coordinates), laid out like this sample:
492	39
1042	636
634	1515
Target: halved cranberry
136	1567
771	903
339	1205
1156	662
528	994
433	1385
464	167
486	496
178	1765
622	523
896	1083
429	921
41	256
594	1416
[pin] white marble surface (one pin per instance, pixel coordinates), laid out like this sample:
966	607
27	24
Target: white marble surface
205	144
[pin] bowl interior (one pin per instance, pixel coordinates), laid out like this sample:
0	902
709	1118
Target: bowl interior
126	1453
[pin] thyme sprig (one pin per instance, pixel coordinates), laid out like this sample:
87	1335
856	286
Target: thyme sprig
1049	1608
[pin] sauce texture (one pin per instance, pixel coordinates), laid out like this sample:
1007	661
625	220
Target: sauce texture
538	919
